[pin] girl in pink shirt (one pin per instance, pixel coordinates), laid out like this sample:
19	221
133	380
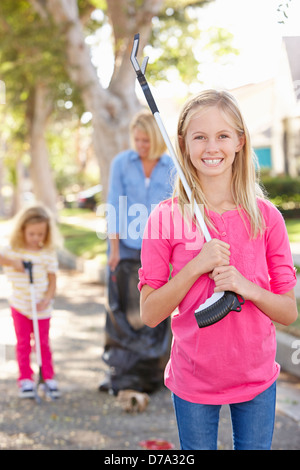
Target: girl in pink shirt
232	361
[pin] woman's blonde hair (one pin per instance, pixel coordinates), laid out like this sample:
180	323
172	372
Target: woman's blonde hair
245	187
33	215
145	121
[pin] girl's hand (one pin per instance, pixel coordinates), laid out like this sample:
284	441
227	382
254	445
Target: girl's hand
17	265
213	254
281	308
229	278
42	305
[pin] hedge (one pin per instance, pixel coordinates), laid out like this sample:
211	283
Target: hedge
284	192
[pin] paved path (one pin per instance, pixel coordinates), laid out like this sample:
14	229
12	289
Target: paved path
84	418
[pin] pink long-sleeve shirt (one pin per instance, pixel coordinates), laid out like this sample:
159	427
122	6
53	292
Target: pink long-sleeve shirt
233	360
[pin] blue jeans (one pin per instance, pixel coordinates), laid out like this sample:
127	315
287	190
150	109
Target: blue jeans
252	423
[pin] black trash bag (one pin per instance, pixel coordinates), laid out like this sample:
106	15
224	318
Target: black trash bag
136	354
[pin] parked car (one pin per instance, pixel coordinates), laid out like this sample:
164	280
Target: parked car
87	199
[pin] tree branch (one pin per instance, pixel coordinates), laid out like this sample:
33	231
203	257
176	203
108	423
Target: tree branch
127	19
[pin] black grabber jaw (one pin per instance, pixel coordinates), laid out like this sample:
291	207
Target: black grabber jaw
213	313
219	304
28	266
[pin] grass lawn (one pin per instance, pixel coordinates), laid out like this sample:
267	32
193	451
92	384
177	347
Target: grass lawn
82	241
293	228
79	240
82	213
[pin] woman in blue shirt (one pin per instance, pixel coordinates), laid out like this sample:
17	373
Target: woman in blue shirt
139	179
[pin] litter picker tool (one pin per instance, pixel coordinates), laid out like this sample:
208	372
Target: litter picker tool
219	304
29	267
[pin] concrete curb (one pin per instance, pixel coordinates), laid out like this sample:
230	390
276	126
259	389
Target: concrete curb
93	269
288	352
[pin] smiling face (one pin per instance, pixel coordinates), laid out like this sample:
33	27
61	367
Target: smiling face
212	143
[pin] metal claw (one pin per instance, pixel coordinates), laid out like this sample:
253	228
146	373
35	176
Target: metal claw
133	56
140	72
144	65
134	51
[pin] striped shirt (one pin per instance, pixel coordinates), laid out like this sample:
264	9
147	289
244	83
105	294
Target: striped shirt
44	262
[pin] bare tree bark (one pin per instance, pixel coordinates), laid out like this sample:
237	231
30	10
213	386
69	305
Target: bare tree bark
41	176
112	108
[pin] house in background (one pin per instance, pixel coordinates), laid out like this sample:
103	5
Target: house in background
272	113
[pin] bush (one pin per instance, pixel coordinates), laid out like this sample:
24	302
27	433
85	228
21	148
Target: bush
284	186
284	192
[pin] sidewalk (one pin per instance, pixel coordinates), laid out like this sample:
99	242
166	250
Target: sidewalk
84	418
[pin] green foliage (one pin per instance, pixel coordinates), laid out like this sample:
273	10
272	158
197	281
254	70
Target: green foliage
284	192
282	11
32	50
219	43
176	37
83	242
100	4
179	4
293	228
282	188
26	54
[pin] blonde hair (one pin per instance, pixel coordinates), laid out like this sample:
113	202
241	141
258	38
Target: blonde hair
33	215
245	187
145	121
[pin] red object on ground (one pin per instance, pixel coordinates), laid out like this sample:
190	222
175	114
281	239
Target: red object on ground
156	444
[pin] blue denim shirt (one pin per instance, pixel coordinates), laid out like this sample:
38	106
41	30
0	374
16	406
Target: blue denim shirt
132	196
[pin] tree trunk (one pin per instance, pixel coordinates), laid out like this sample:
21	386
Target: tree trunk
112	108
40	171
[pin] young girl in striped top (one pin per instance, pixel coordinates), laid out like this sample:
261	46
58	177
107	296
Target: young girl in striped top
32	239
